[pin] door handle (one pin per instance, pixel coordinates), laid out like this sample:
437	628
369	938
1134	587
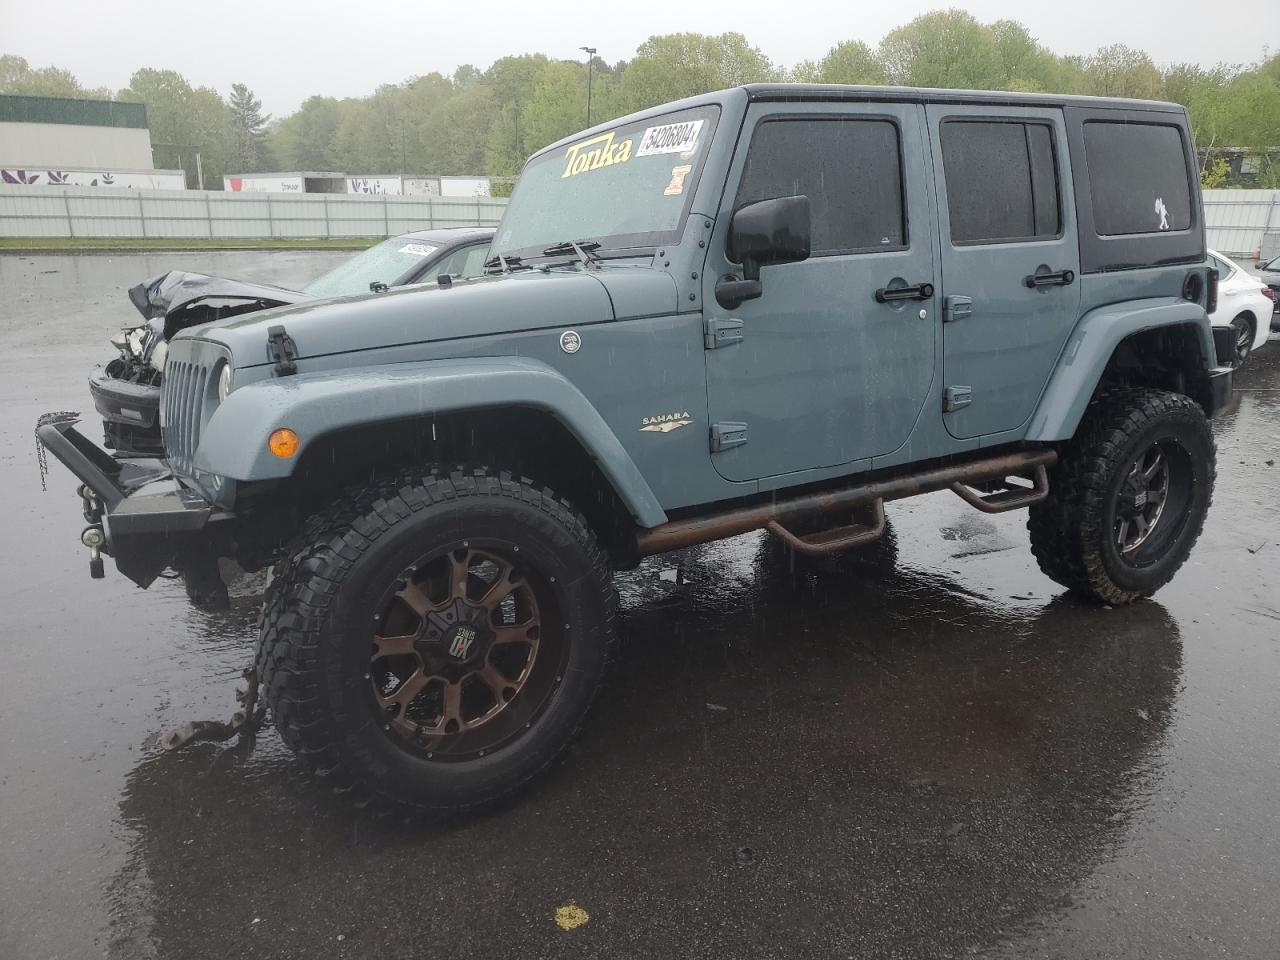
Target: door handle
920	291
1060	279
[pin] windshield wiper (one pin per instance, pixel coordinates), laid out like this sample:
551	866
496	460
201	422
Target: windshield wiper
583	248
506	263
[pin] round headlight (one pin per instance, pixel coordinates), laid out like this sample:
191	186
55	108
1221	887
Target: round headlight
224	382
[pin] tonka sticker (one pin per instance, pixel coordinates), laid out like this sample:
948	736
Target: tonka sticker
676	186
595	153
665	422
670	138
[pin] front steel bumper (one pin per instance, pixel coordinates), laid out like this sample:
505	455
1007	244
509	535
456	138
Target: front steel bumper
150	520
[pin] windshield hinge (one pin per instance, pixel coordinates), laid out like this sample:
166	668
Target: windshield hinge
282	350
721	332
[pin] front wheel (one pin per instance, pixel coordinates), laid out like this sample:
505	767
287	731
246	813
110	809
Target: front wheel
1128	498
434	642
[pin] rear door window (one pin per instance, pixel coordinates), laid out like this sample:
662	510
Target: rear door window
849	168
1002	181
1138	177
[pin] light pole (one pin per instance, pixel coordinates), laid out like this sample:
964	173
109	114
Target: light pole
591	55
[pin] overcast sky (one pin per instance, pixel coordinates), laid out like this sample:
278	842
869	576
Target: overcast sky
287	50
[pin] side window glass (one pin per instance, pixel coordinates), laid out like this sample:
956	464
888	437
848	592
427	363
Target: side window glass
1138	177
850	169
1002	181
473	262
452	265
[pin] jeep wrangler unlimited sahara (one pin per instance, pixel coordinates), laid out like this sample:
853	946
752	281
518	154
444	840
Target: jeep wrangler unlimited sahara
770	308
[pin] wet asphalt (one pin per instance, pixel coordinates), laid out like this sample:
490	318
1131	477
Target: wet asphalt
928	751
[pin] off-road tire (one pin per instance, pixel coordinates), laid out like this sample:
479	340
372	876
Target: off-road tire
314	639
1072	531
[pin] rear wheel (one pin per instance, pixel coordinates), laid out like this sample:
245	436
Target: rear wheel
1128	498
1243	332
435	642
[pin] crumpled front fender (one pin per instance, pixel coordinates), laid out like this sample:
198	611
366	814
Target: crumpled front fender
234	442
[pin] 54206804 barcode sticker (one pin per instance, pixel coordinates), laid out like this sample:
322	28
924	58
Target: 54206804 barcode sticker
670	138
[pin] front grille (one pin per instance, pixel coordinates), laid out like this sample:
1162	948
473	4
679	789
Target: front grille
182	396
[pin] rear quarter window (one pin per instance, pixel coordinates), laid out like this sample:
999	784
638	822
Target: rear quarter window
1137	194
1138	178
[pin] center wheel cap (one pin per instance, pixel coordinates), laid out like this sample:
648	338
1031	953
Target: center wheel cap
456	635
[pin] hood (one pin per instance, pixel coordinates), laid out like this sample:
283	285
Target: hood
173	291
516	302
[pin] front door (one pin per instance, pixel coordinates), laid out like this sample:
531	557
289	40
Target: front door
1009	260
825	374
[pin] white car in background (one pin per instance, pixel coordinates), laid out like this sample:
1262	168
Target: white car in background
1244	305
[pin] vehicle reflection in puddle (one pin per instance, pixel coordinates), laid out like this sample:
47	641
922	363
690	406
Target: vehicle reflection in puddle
914	768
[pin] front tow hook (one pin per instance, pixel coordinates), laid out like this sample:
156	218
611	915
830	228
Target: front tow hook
94	538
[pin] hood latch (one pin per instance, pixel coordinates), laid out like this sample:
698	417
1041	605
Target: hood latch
283	350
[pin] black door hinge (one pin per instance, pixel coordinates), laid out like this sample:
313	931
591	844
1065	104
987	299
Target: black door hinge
282	350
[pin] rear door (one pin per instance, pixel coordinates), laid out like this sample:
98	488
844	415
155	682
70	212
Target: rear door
819	373
1009	259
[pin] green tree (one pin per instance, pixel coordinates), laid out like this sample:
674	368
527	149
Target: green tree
185	121
307	139
681	65
249	126
947	48
1120	71
849	62
18	78
511	81
559	102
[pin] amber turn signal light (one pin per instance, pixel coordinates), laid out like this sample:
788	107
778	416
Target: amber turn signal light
283	443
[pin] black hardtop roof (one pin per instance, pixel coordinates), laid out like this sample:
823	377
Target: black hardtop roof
847	93
844	92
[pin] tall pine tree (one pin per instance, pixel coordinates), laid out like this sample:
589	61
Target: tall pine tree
250	128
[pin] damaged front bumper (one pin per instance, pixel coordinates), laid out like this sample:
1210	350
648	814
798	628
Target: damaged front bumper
138	513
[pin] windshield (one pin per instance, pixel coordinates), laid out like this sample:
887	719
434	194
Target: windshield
385	263
628	187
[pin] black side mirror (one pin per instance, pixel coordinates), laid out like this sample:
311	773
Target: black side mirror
762	233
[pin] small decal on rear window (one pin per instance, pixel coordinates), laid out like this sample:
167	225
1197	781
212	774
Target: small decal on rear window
670	138
1162	212
676	186
418	249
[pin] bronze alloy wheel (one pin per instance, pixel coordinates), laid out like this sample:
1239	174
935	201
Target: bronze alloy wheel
465	652
1152	501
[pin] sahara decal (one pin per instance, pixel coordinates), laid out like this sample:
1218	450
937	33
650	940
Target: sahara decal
595	153
670	138
665	422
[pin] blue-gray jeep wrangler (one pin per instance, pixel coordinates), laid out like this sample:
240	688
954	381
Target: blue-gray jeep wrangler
769	308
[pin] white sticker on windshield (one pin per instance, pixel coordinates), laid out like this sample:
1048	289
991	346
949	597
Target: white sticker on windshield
418	249
670	138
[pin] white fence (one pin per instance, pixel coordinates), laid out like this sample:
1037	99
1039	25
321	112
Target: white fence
50	211
1235	220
